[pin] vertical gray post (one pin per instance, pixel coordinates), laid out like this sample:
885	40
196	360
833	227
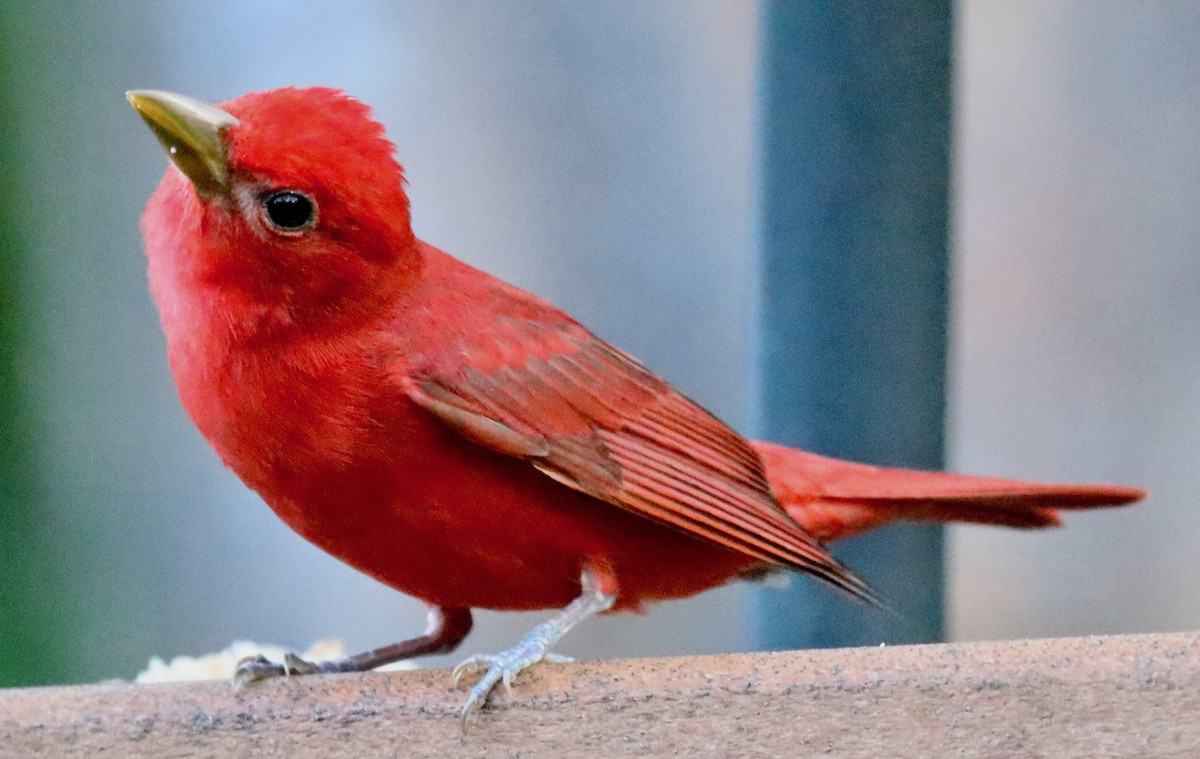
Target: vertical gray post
855	168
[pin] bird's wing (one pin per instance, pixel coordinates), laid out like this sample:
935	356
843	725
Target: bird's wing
597	421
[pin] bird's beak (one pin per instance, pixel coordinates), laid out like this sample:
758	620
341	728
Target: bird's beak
193	133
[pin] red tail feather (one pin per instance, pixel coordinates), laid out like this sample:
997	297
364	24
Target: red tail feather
834	499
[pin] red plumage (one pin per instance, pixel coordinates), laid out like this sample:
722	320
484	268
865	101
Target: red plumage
461	440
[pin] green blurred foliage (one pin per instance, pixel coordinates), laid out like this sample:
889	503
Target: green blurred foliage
31	630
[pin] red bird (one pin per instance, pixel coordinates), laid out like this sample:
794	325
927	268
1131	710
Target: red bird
451	435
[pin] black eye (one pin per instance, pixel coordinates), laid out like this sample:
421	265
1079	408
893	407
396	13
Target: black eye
289	211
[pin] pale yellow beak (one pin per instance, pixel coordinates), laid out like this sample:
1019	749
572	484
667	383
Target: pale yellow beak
193	133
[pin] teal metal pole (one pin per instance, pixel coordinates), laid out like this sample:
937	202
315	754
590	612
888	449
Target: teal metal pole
855	191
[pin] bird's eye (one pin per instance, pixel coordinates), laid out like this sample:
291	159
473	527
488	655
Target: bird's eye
289	210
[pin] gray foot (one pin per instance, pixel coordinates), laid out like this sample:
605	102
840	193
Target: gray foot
504	666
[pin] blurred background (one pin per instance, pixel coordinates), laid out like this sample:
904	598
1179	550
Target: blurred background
606	156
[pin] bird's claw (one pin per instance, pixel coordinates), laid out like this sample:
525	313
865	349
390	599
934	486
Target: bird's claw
255	668
502	668
294	665
252	669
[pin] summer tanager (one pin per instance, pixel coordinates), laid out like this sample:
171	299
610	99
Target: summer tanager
455	437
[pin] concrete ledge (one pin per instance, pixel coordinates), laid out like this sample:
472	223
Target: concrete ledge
1120	696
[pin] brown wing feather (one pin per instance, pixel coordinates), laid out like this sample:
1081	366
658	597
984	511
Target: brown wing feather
597	421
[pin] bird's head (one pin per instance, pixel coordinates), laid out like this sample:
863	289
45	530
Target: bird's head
287	203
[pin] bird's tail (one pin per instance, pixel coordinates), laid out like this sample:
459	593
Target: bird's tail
834	499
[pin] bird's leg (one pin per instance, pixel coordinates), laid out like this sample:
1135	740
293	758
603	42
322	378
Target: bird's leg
445	630
597	596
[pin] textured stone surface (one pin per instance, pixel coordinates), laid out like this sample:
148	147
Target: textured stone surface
1121	696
